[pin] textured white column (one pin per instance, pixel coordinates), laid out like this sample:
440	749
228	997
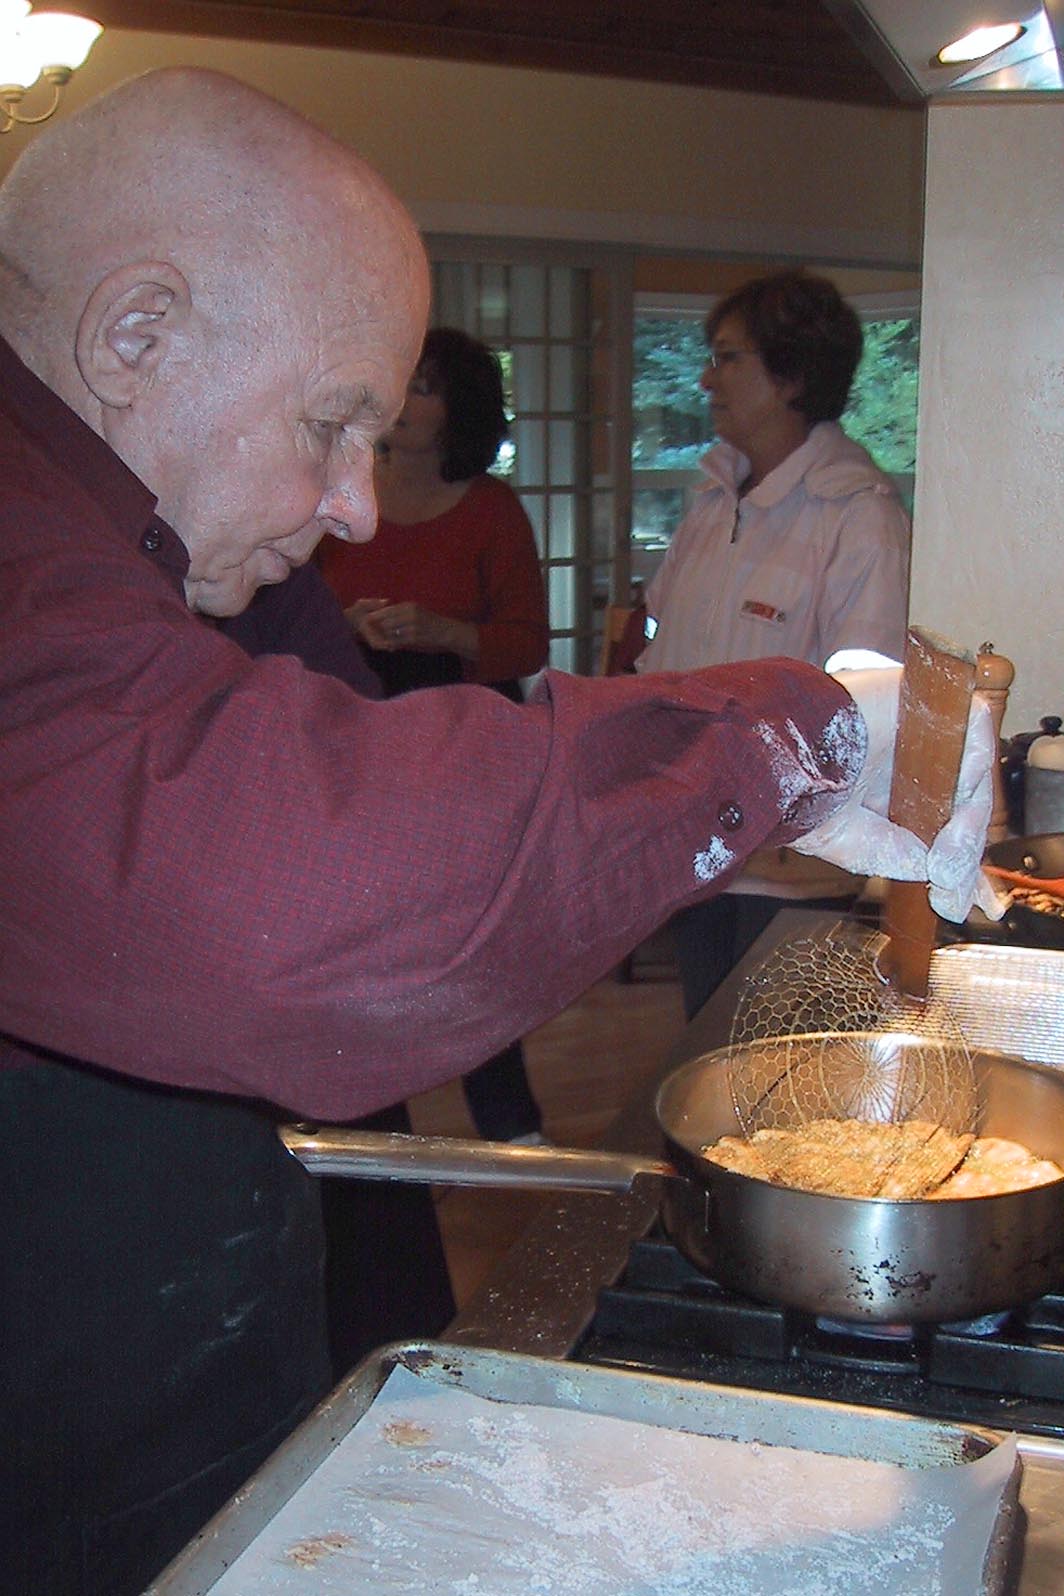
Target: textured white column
988	539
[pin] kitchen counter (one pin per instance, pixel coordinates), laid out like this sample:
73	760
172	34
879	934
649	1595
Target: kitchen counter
542	1296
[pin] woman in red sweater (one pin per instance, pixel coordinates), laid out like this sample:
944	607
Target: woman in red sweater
450	590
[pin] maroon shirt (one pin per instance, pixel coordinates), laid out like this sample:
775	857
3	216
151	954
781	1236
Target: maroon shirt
237	874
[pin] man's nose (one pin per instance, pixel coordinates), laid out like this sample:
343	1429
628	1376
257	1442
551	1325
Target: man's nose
708	378
350	503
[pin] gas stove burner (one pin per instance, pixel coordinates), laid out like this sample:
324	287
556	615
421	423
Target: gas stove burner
988	1325
862	1331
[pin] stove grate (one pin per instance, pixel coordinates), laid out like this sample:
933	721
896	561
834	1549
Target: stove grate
663	1315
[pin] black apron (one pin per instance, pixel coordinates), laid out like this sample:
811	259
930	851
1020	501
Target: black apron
163	1324
163	1319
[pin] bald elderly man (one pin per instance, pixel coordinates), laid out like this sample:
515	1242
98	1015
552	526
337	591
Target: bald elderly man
234	889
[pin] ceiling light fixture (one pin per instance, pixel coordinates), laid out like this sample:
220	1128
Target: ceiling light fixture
38	47
978	43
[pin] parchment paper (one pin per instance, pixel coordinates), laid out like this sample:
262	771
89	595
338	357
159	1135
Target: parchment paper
437	1490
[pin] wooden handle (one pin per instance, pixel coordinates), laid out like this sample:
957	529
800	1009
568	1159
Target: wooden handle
937	683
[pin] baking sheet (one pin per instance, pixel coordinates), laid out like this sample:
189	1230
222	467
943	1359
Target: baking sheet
438	1487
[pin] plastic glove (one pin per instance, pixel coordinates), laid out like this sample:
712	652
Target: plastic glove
954	868
861	839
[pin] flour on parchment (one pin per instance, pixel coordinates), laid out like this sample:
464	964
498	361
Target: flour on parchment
438	1490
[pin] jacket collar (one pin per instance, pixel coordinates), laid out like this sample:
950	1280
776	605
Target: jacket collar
828	463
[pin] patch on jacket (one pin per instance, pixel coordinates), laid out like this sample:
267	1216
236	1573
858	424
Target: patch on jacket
760	611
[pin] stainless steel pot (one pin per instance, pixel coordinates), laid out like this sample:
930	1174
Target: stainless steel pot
870	1258
855	1258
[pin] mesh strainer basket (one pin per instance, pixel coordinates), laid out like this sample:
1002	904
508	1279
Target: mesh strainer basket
834	1040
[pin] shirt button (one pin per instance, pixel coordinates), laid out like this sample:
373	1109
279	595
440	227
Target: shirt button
152	540
730	816
824	757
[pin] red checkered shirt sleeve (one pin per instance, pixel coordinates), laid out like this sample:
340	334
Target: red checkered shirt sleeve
235	874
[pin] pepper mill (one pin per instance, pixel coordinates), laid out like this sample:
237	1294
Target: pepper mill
993	678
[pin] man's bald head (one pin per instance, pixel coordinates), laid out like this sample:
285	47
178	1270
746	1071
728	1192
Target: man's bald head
186	258
196	168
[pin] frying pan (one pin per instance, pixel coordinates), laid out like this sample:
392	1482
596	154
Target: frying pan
1042	855
868	1259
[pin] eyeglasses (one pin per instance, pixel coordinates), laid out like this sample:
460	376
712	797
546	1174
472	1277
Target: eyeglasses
716	358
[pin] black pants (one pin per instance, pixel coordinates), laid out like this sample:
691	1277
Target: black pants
500	1098
162	1325
386	1274
711	937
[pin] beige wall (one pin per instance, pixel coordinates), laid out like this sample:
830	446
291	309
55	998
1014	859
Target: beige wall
507	150
672	274
989	509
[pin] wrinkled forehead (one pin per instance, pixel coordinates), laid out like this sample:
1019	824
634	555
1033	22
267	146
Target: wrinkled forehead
339	277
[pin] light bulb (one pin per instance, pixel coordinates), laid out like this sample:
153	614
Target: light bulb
20	62
59	40
980	42
12	13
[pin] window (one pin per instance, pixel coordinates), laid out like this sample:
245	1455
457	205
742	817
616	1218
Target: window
881	414
551	318
670	422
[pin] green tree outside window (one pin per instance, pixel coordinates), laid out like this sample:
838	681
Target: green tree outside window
881	414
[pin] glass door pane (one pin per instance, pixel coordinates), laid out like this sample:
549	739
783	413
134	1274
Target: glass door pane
537	314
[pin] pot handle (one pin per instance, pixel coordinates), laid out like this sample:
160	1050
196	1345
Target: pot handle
451	1161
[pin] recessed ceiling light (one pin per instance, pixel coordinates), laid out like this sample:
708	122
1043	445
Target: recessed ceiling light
980	42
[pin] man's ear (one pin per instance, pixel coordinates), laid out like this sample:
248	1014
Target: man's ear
128	320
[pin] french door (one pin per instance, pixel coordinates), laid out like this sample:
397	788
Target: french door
560	320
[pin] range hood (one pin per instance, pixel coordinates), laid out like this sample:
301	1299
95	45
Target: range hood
901	37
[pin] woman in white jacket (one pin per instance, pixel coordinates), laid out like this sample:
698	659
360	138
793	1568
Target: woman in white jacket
796	544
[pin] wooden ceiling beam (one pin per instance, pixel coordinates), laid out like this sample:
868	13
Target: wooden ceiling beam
780	47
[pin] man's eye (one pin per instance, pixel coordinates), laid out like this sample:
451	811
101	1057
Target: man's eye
325	430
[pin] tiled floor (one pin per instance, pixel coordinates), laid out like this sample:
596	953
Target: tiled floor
583	1066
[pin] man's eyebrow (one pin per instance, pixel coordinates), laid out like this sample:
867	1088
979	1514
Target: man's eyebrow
356	401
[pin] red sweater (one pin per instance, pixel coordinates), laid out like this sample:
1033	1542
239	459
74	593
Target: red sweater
476	562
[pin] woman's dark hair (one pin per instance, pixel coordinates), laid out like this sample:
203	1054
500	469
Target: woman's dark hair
468	378
803	330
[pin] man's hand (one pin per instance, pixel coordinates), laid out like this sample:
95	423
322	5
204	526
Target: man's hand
860	838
